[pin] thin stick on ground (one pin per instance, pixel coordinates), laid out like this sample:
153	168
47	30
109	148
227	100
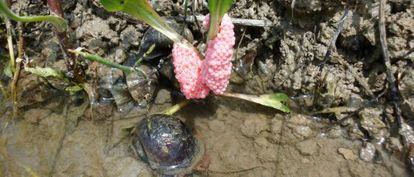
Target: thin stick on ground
335	37
329	51
394	93
236	21
240	42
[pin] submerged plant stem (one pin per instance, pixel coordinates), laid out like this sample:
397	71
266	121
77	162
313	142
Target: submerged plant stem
58	22
170	111
99	59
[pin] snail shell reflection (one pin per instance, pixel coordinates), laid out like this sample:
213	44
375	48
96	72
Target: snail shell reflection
142	85
167	145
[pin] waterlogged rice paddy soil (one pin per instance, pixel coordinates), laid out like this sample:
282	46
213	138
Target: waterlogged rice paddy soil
57	134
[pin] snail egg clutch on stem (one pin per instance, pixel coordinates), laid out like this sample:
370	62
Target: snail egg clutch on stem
167	144
196	76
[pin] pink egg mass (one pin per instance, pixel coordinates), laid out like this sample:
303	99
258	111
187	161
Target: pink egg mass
197	77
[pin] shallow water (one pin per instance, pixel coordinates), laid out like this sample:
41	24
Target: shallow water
242	139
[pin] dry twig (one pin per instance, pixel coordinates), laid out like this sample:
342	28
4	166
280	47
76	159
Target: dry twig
394	93
329	51
237	21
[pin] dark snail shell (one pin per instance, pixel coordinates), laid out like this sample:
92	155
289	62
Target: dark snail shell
167	145
155	45
112	87
142	85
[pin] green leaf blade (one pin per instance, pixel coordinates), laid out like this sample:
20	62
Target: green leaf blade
113	5
276	101
217	10
142	10
46	72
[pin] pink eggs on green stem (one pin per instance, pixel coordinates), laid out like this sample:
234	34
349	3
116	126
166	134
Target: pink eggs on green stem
197	77
216	67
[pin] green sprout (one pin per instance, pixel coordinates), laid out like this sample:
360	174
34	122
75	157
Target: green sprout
60	23
47	72
217	10
274	100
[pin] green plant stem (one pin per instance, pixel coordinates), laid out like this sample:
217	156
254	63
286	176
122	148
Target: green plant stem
170	111
16	76
91	57
148	52
99	59
185	14
217	10
58	22
10	44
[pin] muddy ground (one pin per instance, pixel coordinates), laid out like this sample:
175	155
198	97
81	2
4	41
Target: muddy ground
57	134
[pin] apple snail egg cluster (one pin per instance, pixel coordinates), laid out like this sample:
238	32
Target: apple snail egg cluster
197	77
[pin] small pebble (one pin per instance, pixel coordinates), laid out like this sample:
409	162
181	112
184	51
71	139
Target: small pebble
35	115
163	96
304	131
217	126
394	144
252	127
308	147
367	153
120	55
347	154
